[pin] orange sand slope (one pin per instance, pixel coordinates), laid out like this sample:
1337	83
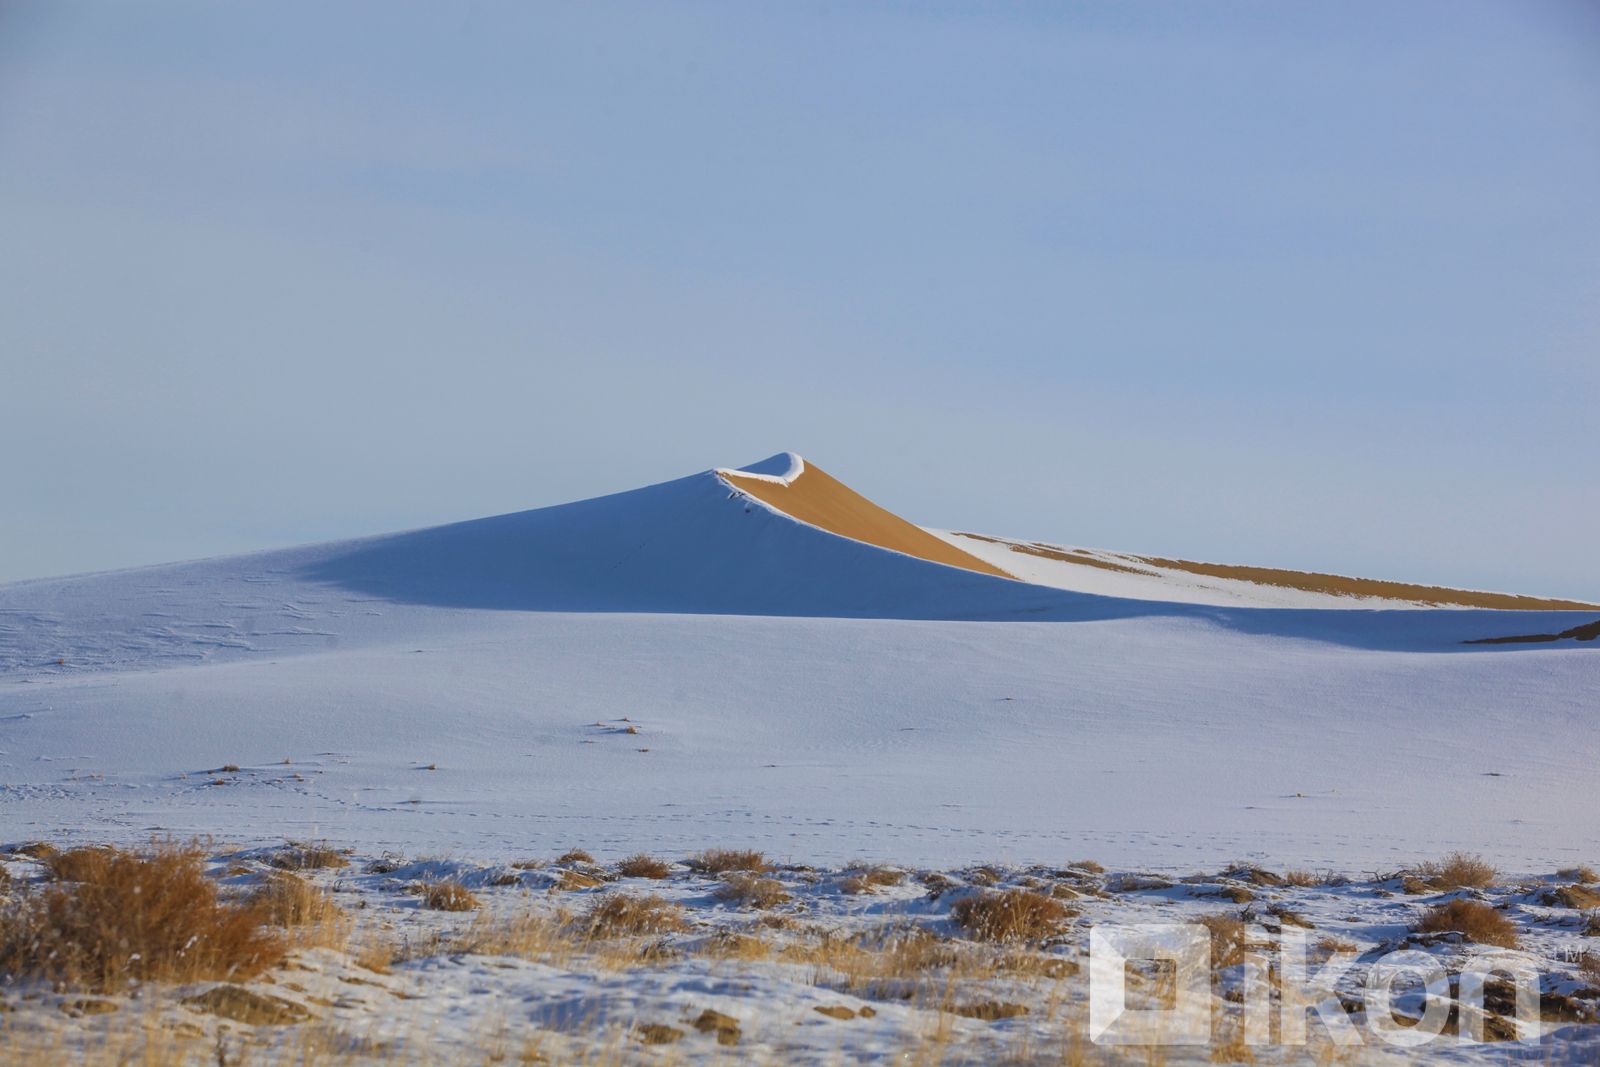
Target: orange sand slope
1332	585
790	485
813	497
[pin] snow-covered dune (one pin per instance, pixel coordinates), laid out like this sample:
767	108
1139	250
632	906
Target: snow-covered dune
690	664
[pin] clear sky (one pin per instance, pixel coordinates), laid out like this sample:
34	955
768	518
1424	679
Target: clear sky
1301	284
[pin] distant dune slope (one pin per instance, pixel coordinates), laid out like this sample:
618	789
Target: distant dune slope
1123	574
809	494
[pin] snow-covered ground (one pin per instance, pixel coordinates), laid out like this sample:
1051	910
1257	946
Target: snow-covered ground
783	688
827	971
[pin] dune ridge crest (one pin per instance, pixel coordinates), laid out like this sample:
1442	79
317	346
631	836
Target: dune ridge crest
790	486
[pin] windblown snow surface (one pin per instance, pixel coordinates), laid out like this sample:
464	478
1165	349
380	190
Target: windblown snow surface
685	666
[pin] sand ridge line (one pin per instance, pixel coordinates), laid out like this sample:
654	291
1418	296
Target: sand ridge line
1036	548
1340	585
812	496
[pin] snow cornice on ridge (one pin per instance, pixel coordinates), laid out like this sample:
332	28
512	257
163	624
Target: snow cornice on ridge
780	469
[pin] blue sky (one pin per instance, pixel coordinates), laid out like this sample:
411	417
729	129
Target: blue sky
1294	284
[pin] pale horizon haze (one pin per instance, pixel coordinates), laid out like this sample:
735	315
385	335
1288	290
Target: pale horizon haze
1311	285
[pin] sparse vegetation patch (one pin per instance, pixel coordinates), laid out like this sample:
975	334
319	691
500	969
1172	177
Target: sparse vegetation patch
134	917
723	860
1475	920
1010	915
643	866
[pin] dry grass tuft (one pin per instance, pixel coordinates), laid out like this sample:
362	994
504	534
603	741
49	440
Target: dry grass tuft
575	855
573	880
79	864
1231	1046
1581	873
529	935
1227	938
129	917
448	895
751	890
866	879
1591	925
1011	915
1300	879
985	876
732	945
723	860
990	1010
1459	870
658	1033
1576	896
1087	865
1478	921
1334	945
621	915
37	850
288	900
298	857
643	866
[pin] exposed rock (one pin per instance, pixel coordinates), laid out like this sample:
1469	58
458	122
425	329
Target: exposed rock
658	1033
726	1027
990	1010
244	1006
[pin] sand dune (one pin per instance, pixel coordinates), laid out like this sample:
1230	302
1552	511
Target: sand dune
792	487
807	493
1188	581
1340	585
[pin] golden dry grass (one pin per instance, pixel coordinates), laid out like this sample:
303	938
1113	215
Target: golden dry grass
1576	896
1589	965
1227	938
723	860
302	857
751	890
733	945
285	899
575	855
79	864
530	935
1458	870
1010	915
132	917
1581	873
447	895
1477	921
573	880
866	879
621	914
643	866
